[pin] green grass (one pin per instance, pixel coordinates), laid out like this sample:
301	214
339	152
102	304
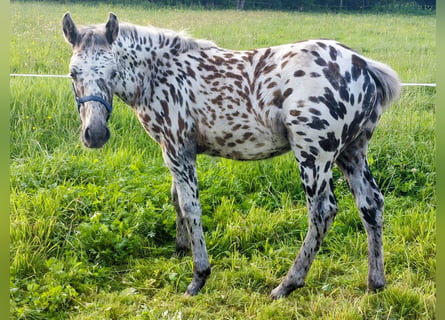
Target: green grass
92	232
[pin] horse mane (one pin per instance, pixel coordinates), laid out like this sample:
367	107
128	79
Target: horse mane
180	41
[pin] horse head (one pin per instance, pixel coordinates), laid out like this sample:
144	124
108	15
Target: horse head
93	70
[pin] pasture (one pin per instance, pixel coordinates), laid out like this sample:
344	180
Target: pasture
92	231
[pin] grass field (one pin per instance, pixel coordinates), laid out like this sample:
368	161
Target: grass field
92	232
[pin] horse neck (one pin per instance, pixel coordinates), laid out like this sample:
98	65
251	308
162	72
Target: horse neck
142	53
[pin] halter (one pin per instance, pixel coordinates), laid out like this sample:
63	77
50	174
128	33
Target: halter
79	101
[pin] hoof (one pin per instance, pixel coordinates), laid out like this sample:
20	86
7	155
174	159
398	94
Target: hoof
283	291
198	281
187	294
193	289
278	293
375	285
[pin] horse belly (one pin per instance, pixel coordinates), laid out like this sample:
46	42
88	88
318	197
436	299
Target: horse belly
250	143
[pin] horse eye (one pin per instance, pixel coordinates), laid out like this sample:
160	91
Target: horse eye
73	74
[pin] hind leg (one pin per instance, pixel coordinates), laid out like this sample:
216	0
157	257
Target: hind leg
322	207
354	165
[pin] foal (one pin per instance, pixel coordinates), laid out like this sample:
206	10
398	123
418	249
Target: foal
317	98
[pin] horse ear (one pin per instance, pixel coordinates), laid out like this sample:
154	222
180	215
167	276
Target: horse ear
111	28
69	29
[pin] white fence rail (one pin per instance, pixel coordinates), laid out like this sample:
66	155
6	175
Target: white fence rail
67	76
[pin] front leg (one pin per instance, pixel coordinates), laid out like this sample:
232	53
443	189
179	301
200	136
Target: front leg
185	193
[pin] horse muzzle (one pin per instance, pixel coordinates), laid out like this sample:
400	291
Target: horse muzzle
95	136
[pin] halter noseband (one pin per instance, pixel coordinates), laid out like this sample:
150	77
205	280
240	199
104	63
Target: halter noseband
79	101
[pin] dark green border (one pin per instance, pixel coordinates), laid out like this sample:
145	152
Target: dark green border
440	160
4	159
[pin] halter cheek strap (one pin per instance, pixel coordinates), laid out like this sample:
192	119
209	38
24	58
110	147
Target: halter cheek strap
79	101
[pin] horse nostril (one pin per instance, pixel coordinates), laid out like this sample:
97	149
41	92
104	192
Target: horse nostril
87	134
95	137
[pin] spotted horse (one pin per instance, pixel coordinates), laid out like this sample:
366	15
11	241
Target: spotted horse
318	98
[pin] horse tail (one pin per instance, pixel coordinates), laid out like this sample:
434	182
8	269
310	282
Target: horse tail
387	82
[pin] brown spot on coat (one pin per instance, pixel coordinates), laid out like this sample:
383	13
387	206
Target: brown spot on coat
295	113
